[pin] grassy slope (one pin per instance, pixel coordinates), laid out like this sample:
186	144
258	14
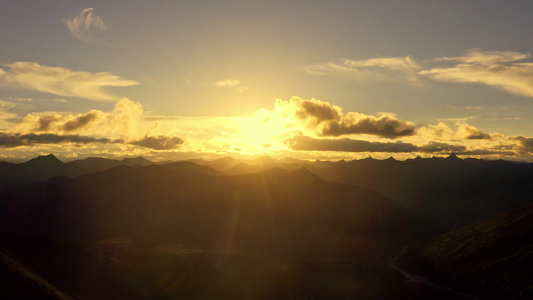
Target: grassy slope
492	259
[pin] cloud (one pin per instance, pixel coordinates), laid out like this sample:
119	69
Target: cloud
124	125
228	82
11	140
159	142
81	26
8	111
232	83
386	126
436	147
45	122
493	68
305	143
462	131
60	122
525	142
124	122
486	152
329	120
380	69
126	117
440	131
477	56
469	132
61	81
80	121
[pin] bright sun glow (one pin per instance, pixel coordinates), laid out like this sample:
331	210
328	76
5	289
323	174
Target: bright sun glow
265	131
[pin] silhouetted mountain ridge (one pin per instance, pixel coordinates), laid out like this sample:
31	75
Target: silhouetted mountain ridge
490	259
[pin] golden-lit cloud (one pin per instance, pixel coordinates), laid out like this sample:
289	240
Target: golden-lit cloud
493	68
125	121
460	131
83	24
61	81
329	120
437	147
124	125
477	56
295	127
381	69
469	132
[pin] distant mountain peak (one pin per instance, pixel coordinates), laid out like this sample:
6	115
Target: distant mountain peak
44	159
304	172
453	156
136	161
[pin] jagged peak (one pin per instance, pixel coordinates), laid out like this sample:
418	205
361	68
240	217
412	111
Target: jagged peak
48	159
453	156
306	173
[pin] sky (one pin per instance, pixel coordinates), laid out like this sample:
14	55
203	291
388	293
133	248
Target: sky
173	80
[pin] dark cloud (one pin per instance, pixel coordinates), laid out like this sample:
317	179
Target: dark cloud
478	135
80	121
317	110
434	147
159	142
525	142
486	152
8	140
305	143
329	120
384	126
45	122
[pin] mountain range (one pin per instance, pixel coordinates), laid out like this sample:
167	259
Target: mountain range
262	228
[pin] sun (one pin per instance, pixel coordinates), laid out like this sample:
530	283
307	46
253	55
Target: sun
264	131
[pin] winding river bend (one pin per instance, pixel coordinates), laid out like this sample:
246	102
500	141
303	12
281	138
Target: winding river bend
417	279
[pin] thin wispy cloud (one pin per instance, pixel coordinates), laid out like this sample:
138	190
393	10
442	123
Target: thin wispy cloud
477	56
500	69
396	69
232	83
61	81
82	26
493	68
228	82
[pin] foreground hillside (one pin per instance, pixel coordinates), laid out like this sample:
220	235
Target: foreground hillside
165	234
492	259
